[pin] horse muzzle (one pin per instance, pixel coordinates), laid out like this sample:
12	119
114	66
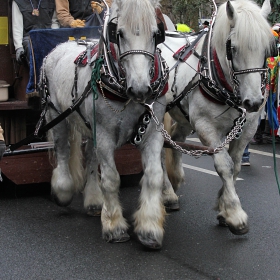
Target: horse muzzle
139	95
252	106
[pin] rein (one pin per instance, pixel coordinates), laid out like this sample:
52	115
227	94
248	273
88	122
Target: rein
39	130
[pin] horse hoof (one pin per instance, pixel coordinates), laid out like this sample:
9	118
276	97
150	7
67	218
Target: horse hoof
238	231
149	241
94	211
172	206
222	221
124	238
110	238
235	231
61	203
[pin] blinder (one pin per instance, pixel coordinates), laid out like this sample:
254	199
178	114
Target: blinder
114	35
229	57
113	32
228	50
234	73
160	34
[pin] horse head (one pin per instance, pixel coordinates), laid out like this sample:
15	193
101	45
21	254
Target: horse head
243	40
135	37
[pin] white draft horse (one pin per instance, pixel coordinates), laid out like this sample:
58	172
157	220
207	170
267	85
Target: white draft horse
115	121
240	43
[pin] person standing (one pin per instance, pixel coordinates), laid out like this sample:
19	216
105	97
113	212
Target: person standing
205	25
28	15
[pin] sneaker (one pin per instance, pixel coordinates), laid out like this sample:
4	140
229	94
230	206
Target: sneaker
245	162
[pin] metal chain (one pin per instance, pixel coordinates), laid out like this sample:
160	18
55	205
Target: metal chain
108	104
233	134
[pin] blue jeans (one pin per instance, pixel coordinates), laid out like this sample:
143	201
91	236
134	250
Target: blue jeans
246	153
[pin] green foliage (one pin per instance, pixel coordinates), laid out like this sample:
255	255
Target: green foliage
187	11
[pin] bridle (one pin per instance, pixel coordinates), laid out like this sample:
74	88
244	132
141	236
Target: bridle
233	73
113	76
114	37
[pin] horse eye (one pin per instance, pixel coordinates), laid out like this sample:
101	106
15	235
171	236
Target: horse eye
120	33
233	49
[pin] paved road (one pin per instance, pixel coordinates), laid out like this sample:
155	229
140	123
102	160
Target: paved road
39	240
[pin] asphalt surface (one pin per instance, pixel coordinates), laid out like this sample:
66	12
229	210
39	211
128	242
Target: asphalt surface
39	240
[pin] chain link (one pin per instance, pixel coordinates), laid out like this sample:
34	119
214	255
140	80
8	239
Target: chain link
233	134
107	102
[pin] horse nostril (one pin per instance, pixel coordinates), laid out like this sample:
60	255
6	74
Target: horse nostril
129	90
252	106
246	104
139	94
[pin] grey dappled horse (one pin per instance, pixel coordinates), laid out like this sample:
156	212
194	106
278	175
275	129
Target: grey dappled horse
115	122
239	45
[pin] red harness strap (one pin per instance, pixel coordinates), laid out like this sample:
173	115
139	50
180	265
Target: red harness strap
220	72
222	79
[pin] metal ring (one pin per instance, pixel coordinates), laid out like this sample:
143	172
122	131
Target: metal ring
141	130
137	139
146	119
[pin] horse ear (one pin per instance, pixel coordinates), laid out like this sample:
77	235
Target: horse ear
266	8
231	14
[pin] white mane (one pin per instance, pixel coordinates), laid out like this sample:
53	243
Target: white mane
138	15
252	30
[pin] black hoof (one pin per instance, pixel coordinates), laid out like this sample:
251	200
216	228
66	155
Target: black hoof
123	237
94	211
149	241
172	206
60	203
222	221
237	231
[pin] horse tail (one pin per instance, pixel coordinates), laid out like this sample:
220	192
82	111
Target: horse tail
169	160
76	167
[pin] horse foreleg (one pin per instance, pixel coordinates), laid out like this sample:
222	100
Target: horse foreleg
150	216
114	226
173	161
228	203
170	199
62	184
93	198
236	149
